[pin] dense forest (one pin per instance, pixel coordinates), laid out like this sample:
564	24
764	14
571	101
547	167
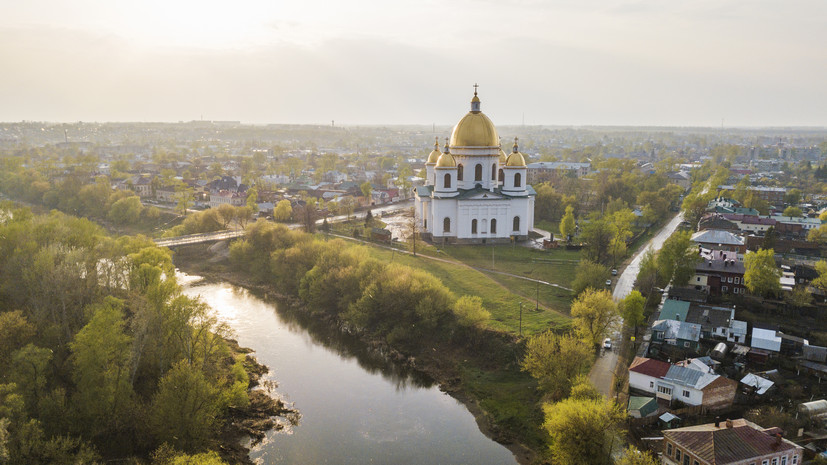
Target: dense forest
101	355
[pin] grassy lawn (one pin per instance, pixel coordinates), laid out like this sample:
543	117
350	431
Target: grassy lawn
501	299
510	397
547	226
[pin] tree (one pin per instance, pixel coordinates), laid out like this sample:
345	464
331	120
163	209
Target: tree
583	431
595	314
589	275
818	235
226	214
799	297
283	210
366	188
621	221
633	456
555	361
348	204
647	277
470	312
677	259
184	198
567	224
631	307
792	197
126	210
185	408
252	199
792	211
101	354
821	281
761	276
28	371
15	332
369	218
769	238
597	234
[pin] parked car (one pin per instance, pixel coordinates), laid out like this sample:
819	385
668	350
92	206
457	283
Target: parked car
608	283
607	343
614	271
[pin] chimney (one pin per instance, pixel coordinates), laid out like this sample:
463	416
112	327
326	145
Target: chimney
717	422
728	423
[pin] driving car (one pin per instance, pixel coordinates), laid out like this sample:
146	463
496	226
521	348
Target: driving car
608	283
607	343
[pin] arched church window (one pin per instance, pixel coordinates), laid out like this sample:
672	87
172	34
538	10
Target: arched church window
478	172
447	181
446	224
493	225
459	172
516	223
494	172
518	180
473	226
502	176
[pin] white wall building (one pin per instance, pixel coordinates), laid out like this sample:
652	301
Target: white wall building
473	192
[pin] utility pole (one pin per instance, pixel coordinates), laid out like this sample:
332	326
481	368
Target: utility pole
537	308
521	318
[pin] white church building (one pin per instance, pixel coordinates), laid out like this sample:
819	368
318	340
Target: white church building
474	193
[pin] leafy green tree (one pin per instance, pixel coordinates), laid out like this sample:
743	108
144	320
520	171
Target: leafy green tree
283	211
100	358
470	312
29	372
821	281
800	297
126	211
761	275
185	409
792	197
366	188
184	198
583	431
589	275
555	361
595	314
567	224
792	211
597	234
677	259
631	307
252	199
583	389
647	277
633	456
621	221
15	332
818	235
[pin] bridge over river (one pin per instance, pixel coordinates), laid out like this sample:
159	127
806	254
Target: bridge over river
200	238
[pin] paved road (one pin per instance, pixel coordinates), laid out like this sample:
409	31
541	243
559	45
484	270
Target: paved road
602	372
626	281
377	211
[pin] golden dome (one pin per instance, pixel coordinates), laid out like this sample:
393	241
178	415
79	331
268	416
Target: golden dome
446	160
516	158
503	157
435	153
475	130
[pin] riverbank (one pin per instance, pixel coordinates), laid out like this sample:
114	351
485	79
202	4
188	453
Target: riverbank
477	380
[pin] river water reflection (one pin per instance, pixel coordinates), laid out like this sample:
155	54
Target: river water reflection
356	407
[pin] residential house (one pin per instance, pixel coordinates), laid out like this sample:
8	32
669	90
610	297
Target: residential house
684	384
716	221
674	310
749	223
143	186
725	241
552	170
717	322
235	199
733	442
773	195
719	273
677	333
681	178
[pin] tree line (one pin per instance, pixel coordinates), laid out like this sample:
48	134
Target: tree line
101	354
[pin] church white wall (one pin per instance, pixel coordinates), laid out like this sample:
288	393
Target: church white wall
469	166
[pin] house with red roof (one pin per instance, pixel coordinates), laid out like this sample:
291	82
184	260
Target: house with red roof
684	384
729	443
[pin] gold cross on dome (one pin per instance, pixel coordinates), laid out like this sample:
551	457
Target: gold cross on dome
475	88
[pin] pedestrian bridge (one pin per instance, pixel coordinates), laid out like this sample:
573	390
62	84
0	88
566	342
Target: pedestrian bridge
200	238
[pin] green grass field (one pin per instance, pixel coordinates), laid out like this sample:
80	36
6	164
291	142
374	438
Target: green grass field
501	294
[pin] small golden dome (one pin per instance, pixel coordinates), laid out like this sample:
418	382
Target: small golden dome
435	153
475	130
516	159
503	157
446	160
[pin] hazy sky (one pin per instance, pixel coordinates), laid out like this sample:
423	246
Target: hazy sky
570	62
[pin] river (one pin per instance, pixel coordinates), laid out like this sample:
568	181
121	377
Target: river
355	406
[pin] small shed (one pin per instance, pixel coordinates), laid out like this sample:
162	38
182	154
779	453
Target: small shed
642	407
669	421
379	234
756	384
813	409
815	353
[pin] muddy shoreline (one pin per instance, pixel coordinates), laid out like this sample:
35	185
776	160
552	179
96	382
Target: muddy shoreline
213	268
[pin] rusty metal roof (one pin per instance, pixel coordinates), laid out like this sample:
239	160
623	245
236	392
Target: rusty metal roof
722	445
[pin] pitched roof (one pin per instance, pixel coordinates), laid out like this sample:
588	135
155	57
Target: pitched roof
673	329
649	367
716	236
674	310
723	445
